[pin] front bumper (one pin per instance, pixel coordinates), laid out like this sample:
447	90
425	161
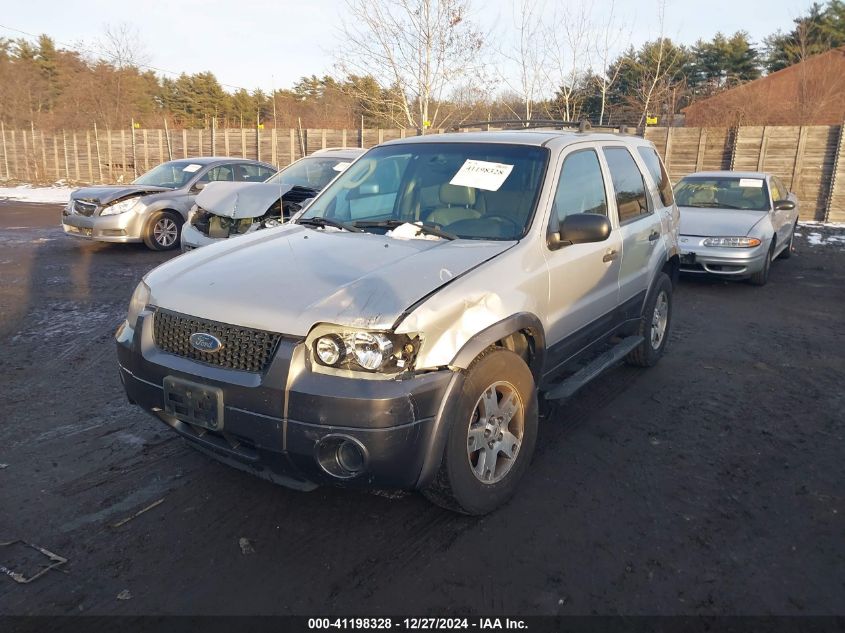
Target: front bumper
121	228
729	262
192	238
277	424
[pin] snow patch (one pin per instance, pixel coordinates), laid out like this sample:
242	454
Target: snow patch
817	239
28	193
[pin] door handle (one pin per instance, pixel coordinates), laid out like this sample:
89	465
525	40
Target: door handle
609	256
654	236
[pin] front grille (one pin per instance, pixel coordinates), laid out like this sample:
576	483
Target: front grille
243	348
84	208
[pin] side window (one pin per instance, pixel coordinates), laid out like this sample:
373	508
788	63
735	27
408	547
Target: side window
658	173
580	188
628	183
221	172
247	172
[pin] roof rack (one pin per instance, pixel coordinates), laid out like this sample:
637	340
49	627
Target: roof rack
533	124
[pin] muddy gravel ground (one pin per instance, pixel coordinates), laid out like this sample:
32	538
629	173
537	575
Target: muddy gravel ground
710	484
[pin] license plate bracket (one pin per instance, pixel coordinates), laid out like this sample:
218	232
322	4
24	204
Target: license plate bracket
688	258
194	403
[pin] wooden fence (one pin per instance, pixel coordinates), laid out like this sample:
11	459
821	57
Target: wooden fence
809	159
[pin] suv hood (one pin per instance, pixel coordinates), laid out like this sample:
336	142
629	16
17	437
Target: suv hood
718	222
104	195
240	199
289	278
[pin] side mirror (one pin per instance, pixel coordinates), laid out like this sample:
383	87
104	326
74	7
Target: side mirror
580	228
784	205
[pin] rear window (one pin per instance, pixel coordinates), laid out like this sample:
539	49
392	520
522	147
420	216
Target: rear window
628	183
658	173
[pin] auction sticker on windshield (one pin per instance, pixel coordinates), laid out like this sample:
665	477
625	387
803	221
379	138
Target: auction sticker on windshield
481	174
750	182
191	168
341	166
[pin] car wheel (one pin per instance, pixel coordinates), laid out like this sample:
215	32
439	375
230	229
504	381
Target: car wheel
762	277
787	252
492	436
654	325
162	231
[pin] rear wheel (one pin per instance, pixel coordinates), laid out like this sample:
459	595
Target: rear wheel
163	230
762	277
654	326
492	436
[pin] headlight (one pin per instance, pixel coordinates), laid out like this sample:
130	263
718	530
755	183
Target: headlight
732	242
361	350
123	206
138	302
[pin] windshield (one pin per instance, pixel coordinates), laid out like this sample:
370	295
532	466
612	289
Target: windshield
172	175
311	173
470	190
723	192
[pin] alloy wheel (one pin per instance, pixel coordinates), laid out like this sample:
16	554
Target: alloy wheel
165	232
659	320
495	432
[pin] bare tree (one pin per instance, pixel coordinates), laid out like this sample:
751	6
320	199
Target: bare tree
609	38
527	54
122	46
423	48
569	55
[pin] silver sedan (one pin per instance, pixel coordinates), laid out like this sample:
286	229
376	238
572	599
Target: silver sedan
734	224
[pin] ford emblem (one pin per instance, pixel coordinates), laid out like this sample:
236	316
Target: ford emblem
205	342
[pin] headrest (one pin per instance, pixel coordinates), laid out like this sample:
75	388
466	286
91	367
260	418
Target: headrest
455	194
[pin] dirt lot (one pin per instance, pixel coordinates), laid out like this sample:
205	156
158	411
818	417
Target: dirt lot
711	484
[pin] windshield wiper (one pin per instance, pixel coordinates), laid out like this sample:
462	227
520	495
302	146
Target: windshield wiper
392	224
324	222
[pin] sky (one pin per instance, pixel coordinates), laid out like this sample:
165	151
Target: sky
272	43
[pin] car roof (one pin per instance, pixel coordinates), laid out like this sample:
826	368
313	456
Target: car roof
728	174
515	137
208	160
338	152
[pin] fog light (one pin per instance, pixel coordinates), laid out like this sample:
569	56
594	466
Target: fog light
341	456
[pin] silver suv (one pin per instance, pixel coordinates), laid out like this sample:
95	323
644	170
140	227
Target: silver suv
399	332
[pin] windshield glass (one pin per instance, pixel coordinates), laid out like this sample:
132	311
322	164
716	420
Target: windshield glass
470	190
311	173
172	175
723	192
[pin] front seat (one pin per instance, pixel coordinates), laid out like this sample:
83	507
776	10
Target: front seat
457	203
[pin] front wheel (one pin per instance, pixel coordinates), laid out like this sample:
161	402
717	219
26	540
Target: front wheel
761	277
654	325
163	230
492	437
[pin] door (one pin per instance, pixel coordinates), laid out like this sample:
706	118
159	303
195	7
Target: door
640	227
783	219
583	278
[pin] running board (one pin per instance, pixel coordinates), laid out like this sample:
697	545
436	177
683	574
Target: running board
602	362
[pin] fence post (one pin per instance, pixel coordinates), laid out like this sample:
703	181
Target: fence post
25	156
56	157
88	153
15	156
257	140
5	153
97	146
76	158
764	142
323	138
836	194
292	145
167	137
702	144
67	161
146	150
243	142
343	138
226	141
668	146
160	146
34	151
799	158
274	156
43	154
361	133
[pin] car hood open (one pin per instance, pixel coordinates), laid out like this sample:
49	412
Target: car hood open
110	193
718	222
240	199
289	278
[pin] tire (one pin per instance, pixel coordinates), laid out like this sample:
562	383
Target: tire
163	231
762	277
465	483
654	325
787	252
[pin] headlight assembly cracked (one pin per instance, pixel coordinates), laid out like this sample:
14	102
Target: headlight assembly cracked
132	204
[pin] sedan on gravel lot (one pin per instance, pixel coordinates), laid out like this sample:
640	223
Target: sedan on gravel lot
229	209
154	207
734	224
